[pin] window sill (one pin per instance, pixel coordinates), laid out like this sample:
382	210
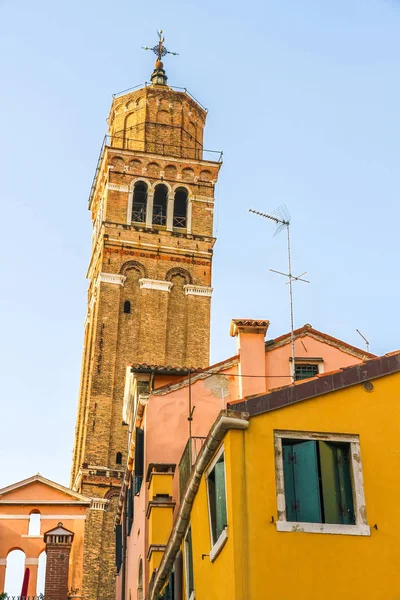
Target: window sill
192	596
219	544
35	536
333	528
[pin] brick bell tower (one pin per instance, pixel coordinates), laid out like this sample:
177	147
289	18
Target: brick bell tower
149	290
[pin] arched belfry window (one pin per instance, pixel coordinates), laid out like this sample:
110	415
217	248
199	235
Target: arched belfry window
127	307
160	205
180	207
139	202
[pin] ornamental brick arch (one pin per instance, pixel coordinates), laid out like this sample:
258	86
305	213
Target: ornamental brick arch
134	264
118	163
179	271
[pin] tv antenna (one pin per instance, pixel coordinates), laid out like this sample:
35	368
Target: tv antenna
364	338
281	217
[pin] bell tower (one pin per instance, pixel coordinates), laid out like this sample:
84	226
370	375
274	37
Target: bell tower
149	290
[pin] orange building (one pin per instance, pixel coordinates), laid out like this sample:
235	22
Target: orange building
31	508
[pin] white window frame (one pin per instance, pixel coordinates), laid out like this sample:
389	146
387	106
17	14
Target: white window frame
361	526
192	596
217	546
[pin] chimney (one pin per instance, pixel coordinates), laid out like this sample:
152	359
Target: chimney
58	547
250	337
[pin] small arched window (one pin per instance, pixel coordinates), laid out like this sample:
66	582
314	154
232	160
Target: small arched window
180	207
118	458
34	523
160	205
139	203
127	307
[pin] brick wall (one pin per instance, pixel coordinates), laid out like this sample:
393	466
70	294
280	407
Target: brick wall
57	567
163	327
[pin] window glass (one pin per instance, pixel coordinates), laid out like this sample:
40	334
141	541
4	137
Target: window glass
139	202
217	499
180	207
317	479
160	205
189	564
305	371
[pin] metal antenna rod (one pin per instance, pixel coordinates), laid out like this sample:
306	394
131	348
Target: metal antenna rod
291	303
284	221
364	338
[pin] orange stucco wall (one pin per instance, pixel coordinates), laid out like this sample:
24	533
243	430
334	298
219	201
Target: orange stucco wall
54	506
277	360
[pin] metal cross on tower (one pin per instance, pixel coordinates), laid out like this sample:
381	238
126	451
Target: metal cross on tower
160	50
281	217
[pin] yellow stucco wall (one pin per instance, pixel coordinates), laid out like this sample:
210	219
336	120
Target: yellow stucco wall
259	562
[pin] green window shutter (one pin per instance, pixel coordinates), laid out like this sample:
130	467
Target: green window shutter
139	459
130	507
329	483
305	469
220	498
344	484
189	562
290	495
336	482
171	586
118	547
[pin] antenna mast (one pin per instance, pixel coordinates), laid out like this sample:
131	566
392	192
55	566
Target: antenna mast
281	217
364	338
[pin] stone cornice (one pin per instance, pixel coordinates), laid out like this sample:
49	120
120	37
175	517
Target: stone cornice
114	278
198	290
99	503
165	158
155	284
115	187
160	247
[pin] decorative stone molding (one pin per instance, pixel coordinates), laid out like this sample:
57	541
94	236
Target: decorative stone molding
32	561
202	199
111	278
3	561
115	187
155	284
92	301
99	504
198	290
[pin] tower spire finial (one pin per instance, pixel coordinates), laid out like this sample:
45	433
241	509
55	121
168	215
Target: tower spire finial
158	76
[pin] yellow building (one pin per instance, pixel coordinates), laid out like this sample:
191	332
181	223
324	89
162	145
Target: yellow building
293	495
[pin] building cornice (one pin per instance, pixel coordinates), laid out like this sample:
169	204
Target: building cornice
155	284
160	247
165	158
113	278
198	290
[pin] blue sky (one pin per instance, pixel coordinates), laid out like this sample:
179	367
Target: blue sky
303	98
